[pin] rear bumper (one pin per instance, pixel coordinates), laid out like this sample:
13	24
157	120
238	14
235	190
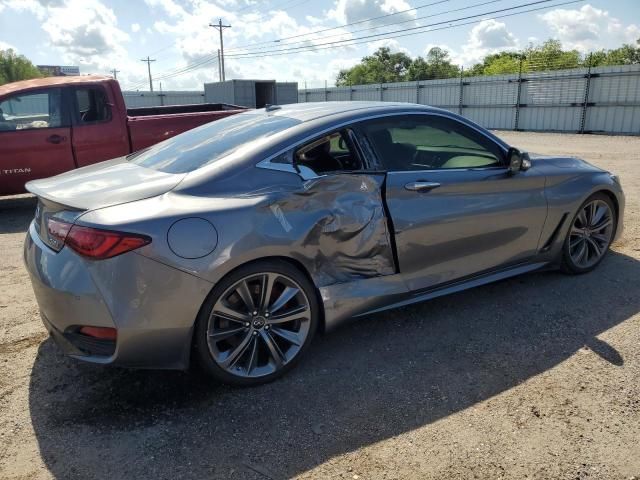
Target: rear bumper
152	306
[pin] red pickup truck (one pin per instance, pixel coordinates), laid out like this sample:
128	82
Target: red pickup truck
51	125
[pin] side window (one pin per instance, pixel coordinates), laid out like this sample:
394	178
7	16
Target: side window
329	153
424	142
41	109
92	106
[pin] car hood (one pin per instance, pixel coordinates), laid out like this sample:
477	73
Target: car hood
104	184
563	163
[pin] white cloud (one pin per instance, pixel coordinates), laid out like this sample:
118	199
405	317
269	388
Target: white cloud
487	37
313	20
390	43
588	28
197	44
83	33
349	11
169	6
135	27
86	31
7	46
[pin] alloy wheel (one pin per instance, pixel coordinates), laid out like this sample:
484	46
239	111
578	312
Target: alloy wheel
258	325
591	233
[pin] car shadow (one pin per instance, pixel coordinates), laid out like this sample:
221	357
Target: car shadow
16	213
374	379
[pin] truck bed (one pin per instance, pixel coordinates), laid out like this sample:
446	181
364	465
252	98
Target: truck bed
171	109
150	125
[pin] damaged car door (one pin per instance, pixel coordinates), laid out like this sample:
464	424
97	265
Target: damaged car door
456	209
347	232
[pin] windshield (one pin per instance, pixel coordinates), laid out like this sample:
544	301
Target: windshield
206	144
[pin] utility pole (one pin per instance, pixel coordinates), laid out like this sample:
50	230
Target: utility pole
219	66
221	27
149	60
115	73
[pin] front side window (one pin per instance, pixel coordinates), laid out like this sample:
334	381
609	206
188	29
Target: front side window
41	109
92	106
422	142
329	153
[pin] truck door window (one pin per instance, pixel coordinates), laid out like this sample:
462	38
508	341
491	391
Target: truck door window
26	111
92	106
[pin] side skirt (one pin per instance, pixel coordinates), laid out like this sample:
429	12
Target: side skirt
364	297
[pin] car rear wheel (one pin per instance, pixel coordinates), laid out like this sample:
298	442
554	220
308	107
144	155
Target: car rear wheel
591	234
257	323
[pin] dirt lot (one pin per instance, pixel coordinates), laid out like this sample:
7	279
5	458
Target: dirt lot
535	377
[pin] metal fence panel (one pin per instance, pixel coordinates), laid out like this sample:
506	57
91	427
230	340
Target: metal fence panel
157	99
599	99
613	119
286	92
501	118
552	119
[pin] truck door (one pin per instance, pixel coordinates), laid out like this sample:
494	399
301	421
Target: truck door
99	132
35	138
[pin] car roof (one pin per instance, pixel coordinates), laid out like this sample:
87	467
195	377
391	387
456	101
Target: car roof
36	83
308	111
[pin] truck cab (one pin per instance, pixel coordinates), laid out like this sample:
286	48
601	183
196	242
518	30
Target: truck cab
51	125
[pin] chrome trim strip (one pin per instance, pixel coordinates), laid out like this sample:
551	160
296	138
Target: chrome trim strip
266	163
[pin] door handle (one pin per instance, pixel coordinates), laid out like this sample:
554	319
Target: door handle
56	139
421	186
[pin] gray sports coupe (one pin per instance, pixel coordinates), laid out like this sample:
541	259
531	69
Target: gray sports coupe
233	243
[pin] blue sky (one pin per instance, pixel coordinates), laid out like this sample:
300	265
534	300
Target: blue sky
99	35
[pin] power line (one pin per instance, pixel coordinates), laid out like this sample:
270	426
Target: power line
220	27
149	60
365	39
166	47
468	7
210	58
313	49
377	35
366	20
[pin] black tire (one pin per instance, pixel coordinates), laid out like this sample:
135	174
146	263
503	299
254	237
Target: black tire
203	348
568	264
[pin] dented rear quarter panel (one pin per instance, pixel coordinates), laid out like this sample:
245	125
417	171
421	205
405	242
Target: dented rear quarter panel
334	226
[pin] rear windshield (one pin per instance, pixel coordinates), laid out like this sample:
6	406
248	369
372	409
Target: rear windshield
206	144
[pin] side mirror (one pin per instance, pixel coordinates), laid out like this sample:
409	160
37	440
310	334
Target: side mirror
517	161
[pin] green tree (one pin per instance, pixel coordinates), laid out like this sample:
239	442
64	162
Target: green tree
381	67
497	64
437	64
551	56
14	67
627	54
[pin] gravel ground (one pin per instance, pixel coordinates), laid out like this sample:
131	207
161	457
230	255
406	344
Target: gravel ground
534	377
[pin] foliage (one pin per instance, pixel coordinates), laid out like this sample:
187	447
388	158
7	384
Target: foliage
381	67
14	67
551	56
496	64
625	55
436	65
384	66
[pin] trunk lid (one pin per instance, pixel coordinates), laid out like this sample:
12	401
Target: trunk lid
67	196
104	184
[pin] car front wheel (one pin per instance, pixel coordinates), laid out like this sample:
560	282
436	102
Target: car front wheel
257	323
591	234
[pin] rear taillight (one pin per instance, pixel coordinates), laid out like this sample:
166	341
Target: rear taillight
95	243
58	230
101	333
